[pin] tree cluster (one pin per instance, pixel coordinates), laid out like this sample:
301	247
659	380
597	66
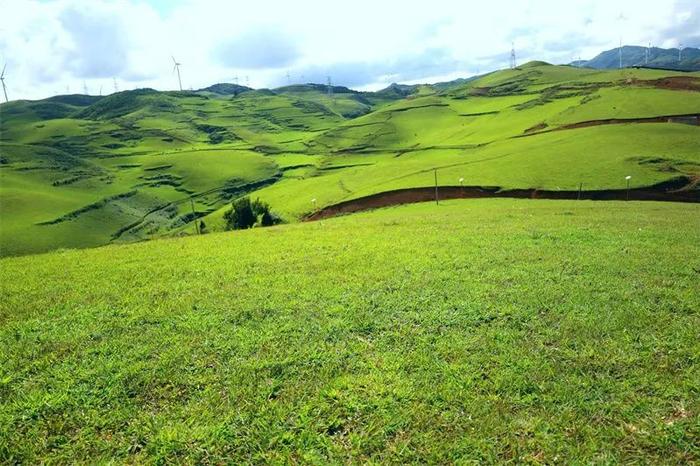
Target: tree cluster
246	214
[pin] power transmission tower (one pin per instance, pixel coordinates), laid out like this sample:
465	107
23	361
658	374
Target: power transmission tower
680	51
116	88
512	57
330	88
85	88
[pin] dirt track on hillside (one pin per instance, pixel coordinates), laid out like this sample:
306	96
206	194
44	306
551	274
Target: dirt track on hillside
692	119
671	191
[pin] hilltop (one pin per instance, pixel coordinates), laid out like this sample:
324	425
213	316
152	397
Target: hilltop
83	171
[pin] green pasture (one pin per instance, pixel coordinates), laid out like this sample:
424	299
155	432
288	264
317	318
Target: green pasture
479	331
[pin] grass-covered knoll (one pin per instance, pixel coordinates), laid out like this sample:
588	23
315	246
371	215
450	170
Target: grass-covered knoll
523	331
537	126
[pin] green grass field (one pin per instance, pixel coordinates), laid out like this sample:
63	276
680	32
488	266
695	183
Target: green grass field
478	331
120	168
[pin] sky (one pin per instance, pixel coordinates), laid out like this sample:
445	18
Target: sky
68	46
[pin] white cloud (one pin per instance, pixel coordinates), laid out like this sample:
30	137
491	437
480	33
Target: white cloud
50	45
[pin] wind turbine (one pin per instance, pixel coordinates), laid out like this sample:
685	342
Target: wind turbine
620	49
646	55
177	68
2	78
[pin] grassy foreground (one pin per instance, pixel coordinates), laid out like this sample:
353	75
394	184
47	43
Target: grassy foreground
491	330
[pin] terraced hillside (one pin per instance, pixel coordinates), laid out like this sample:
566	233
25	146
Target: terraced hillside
80	171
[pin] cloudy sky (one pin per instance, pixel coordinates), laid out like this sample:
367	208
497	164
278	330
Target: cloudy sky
52	47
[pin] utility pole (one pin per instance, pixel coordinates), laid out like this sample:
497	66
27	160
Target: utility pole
437	201
194	216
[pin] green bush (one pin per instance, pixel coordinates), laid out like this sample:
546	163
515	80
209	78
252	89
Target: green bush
246	214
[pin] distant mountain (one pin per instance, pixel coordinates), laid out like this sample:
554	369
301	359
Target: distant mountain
226	89
456	82
398	90
313	87
637	56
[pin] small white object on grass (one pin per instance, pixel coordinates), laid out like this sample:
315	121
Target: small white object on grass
628	177
461	181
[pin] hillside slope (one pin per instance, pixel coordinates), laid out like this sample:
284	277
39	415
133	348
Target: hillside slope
81	171
498	331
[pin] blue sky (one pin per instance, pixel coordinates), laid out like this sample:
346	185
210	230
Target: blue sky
64	46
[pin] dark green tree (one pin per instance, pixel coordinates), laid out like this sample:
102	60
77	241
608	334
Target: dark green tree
246	214
266	219
241	215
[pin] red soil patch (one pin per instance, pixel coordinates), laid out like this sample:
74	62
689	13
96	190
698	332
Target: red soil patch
677	83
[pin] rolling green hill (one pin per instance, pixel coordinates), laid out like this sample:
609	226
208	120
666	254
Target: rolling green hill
82	171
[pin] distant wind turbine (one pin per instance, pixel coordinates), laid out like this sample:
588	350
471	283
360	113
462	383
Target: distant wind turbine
177	68
2	79
620	49
646	55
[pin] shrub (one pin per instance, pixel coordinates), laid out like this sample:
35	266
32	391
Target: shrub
266	219
246	214
241	215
